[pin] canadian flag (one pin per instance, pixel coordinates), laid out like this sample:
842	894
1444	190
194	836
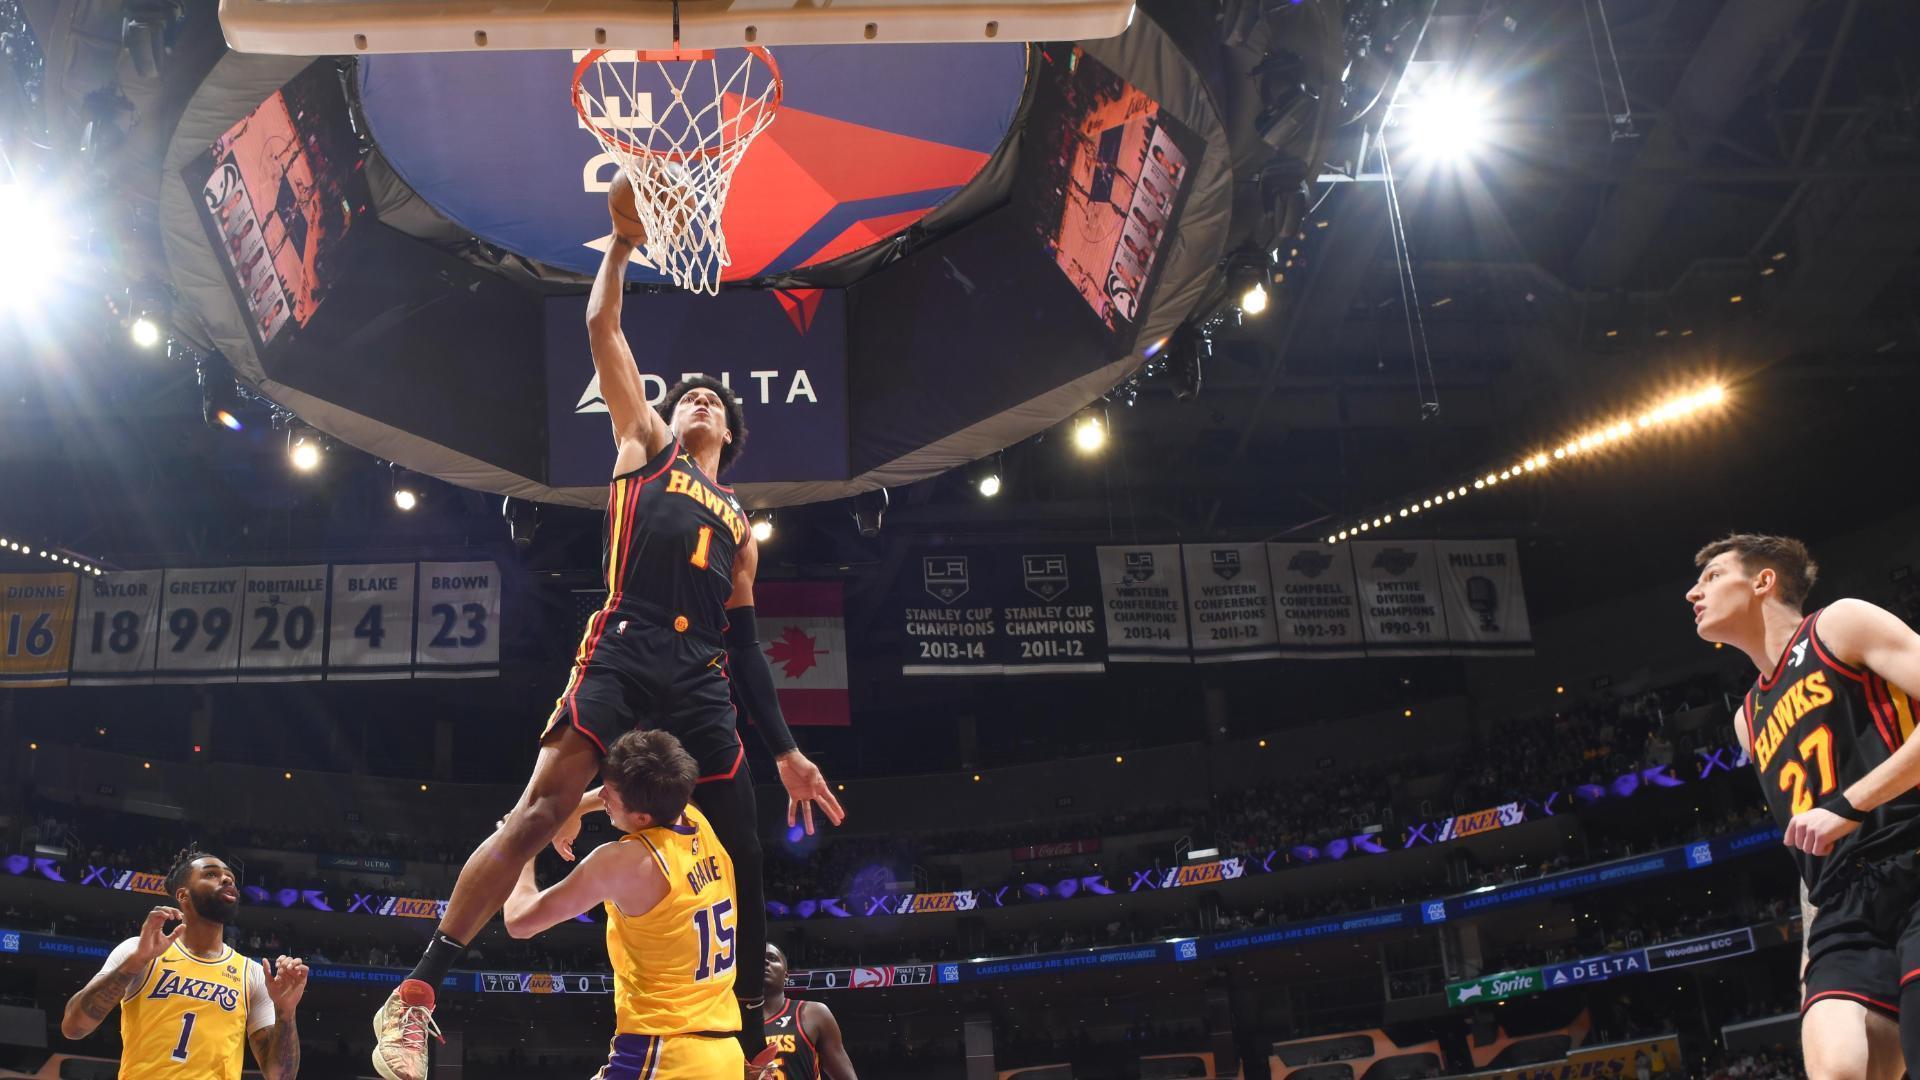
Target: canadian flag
803	632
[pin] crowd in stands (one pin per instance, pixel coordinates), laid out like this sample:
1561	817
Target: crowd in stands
1780	1063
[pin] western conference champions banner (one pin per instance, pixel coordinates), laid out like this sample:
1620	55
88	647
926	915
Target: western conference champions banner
1230	602
251	624
1144	596
1004	610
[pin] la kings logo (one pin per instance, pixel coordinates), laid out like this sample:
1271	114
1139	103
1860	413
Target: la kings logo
1045	575
945	577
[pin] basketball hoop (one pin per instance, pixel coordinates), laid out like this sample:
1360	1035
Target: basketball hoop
681	152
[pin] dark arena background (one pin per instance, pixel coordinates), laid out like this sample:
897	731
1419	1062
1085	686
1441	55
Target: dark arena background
1227	492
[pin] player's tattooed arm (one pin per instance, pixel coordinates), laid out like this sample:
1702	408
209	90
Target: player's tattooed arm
105	991
276	1049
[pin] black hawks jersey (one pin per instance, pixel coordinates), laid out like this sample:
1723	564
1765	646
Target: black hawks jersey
670	540
1816	726
798	1060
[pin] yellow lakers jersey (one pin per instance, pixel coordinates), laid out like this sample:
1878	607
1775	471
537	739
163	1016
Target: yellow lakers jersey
673	966
187	1020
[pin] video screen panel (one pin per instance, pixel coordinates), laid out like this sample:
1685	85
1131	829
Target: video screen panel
1108	171
280	193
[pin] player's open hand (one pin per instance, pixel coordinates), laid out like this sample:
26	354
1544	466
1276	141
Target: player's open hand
286	983
763	1065
1815	831
563	840
154	937
806	787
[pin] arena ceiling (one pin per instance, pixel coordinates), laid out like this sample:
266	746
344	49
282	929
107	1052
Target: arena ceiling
1585	264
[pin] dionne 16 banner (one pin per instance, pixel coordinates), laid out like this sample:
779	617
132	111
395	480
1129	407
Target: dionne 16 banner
251	624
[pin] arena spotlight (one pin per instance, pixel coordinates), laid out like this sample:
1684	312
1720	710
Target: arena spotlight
523	520
1247	279
986	475
305	447
144	331
762	525
219	401
1090	430
870	510
26	225
1669	411
1446	122
1187	351
407	488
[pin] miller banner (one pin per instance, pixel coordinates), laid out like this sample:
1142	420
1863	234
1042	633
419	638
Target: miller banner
1486	610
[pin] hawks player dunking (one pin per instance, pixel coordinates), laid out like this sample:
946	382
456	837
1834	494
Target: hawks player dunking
804	1035
675	639
1828	724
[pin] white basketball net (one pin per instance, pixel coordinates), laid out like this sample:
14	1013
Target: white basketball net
681	159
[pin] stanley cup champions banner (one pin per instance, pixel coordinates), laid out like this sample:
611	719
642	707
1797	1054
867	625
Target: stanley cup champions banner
1486	609
1013	610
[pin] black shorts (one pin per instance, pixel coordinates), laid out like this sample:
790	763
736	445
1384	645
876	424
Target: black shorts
638	672
1865	945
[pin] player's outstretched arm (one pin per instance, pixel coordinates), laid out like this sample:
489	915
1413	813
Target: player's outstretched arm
1862	635
747	665
834	1062
569	832
127	964
638	432
274	1037
623	873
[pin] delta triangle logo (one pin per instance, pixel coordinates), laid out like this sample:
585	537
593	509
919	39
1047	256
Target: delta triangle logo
801	305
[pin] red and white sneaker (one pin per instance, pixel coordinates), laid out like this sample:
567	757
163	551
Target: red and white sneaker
400	1031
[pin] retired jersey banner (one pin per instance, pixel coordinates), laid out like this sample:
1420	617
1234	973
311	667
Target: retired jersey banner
1230	600
118	628
1049	610
1486	607
370	633
459	634
36	628
1316	602
804	634
200	625
951	620
1401	606
1145	600
284	617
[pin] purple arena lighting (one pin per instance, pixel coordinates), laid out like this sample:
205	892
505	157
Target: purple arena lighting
17	864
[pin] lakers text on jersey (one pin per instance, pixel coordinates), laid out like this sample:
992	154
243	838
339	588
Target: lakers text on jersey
187	1019
1817	725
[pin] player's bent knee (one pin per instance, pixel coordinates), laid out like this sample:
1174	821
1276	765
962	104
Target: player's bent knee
1833	1041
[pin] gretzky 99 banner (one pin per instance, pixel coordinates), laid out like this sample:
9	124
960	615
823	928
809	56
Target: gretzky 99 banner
250	624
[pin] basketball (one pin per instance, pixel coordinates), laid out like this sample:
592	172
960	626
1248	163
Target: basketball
620	205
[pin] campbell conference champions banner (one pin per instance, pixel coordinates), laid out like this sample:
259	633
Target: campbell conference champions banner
1008	610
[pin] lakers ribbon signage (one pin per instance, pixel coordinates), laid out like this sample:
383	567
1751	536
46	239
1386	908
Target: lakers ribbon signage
251	624
1230	602
1462	826
1144	597
1205	873
1316	602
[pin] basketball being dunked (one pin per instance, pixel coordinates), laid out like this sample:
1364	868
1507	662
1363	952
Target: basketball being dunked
1829	725
675	640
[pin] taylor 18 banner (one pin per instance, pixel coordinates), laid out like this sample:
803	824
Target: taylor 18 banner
1144	598
118	627
1230	601
803	632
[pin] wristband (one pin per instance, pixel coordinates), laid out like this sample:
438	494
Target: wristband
1837	803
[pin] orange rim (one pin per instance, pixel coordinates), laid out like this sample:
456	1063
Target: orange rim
770	103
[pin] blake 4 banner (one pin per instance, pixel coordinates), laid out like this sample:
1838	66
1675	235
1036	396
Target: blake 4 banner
1486	608
803	632
1144	596
1230	600
370	634
1401	606
1316	603
119	626
36	628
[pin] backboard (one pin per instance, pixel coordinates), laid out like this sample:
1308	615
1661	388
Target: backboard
341	27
